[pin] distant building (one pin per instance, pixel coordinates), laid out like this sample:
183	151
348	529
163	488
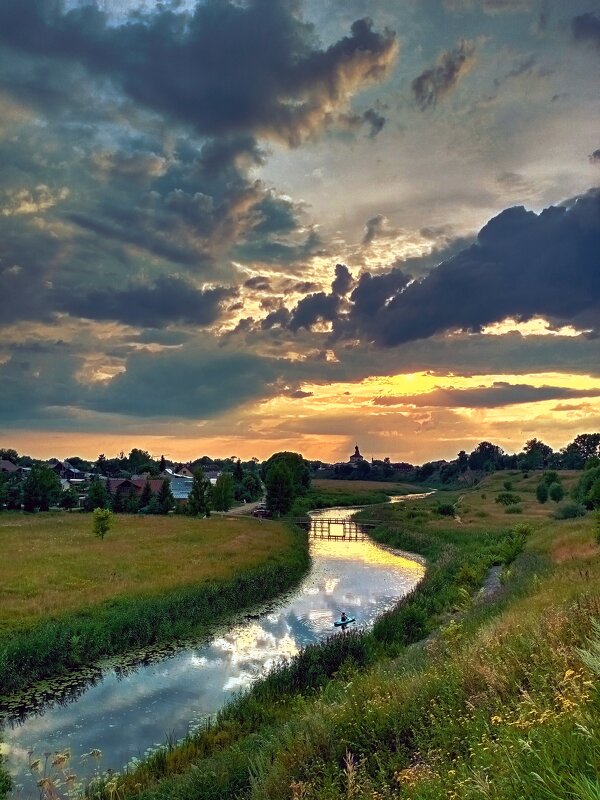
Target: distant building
356	457
8	466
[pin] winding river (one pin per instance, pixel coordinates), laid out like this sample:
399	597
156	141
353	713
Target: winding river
125	714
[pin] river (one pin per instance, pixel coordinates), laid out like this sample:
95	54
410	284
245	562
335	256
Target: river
125	714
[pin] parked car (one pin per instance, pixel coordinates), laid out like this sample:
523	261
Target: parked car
261	511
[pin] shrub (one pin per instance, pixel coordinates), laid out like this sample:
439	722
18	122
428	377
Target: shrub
556	492
569	511
541	493
508	485
508	498
513	510
445	509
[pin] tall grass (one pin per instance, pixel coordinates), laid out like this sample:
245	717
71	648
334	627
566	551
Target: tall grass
58	645
5	781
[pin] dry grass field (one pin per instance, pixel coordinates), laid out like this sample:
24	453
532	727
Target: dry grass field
52	564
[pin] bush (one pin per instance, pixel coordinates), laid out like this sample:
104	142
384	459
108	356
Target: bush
541	493
508	485
508	498
445	509
569	511
556	492
513	510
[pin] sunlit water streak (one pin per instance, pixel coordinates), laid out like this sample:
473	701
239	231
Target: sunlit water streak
128	715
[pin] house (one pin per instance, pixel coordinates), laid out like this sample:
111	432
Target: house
181	488
8	466
133	487
65	470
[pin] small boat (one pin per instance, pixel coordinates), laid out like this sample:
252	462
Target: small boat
339	623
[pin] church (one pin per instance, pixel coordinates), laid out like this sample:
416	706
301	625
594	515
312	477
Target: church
356	457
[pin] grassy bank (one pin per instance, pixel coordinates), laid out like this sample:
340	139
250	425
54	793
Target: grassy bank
280	717
326	493
69	599
5	781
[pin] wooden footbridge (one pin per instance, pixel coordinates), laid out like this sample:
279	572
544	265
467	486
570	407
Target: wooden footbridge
342	529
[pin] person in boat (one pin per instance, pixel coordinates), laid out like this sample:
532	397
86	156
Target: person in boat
344	617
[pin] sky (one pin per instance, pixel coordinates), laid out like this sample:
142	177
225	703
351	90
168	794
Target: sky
237	227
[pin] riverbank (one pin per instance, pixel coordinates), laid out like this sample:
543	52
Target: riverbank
248	731
70	599
500	703
328	493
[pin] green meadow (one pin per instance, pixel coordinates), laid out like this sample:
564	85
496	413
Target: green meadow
68	598
451	695
327	493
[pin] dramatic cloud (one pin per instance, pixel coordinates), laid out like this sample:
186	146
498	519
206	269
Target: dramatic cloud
490	6
595	157
374	228
438	81
586	28
497	395
343	280
225	67
522	265
168	301
319	307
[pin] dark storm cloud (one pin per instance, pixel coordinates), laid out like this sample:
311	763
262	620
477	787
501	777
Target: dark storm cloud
586	29
595	157
436	82
498	395
374	292
343	280
168	300
279	318
259	283
222	68
373	228
319	307
304	287
187	382
27	259
299	394
522	265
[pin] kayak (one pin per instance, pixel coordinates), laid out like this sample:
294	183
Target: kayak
339	622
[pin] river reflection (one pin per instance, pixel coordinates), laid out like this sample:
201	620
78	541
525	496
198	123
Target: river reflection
125	715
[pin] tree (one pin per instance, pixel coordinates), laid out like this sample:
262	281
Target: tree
250	489
102	522
146	496
486	456
535	455
118	501
280	488
165	498
297	466
69	499
580	450
238	471
198	504
556	492
139	459
8	454
222	492
541	492
41	489
96	496
162	464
